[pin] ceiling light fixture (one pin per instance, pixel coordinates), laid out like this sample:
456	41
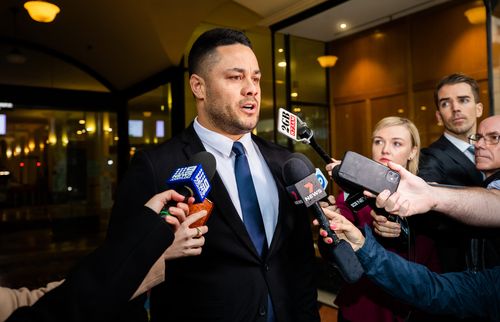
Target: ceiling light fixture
327	61
343	25
42	11
476	15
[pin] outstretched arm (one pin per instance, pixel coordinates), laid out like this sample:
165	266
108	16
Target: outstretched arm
462	294
474	206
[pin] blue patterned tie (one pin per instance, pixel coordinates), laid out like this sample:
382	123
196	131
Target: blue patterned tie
252	217
471	149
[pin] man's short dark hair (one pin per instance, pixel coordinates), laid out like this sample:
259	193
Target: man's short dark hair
209	41
457	78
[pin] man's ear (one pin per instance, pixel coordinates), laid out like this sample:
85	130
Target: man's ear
197	84
479	109
439	118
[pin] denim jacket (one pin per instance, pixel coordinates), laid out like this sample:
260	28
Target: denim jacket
463	294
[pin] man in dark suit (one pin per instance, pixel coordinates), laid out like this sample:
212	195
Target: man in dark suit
233	279
450	160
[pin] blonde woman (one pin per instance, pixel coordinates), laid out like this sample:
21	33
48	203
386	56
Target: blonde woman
394	139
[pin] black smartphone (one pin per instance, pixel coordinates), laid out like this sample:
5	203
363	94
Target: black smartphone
367	174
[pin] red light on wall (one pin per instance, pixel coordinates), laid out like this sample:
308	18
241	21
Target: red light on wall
21	164
38	164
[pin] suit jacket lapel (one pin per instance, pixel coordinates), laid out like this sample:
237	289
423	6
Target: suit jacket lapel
468	166
283	209
218	194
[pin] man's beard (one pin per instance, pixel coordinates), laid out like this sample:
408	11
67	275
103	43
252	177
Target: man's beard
226	120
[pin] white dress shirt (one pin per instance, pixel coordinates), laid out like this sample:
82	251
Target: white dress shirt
265	186
462	146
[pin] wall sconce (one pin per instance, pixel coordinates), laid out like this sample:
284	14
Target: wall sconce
327	61
42	11
476	15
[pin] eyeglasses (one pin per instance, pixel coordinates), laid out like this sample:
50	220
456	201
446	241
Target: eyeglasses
490	139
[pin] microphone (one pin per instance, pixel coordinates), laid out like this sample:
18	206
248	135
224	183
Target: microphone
307	136
193	180
355	199
292	126
304	188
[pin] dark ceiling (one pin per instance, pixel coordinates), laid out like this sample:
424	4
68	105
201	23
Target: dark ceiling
109	45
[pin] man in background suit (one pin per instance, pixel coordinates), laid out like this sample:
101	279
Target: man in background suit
487	150
450	160
232	280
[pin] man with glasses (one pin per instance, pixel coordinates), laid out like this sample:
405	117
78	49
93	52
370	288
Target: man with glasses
450	161
487	150
487	156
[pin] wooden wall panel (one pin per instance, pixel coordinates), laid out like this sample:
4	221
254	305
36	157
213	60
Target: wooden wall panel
397	65
370	62
388	106
425	117
350	128
444	42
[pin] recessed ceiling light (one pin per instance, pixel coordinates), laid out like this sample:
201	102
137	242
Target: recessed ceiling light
343	25
282	64
280	50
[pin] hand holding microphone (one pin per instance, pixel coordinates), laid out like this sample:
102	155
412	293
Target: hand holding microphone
344	229
180	205
187	241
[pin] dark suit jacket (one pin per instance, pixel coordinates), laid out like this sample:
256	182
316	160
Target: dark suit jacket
228	281
103	282
444	163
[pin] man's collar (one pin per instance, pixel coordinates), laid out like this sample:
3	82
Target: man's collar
460	144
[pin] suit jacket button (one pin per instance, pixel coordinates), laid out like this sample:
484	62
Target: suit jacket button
262	311
266	268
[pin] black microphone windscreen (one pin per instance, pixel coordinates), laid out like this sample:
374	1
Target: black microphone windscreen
296	168
303	131
207	161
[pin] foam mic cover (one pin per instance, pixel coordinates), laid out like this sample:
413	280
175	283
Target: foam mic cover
193	180
297	168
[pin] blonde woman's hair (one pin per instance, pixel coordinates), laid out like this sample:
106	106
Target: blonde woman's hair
411	165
